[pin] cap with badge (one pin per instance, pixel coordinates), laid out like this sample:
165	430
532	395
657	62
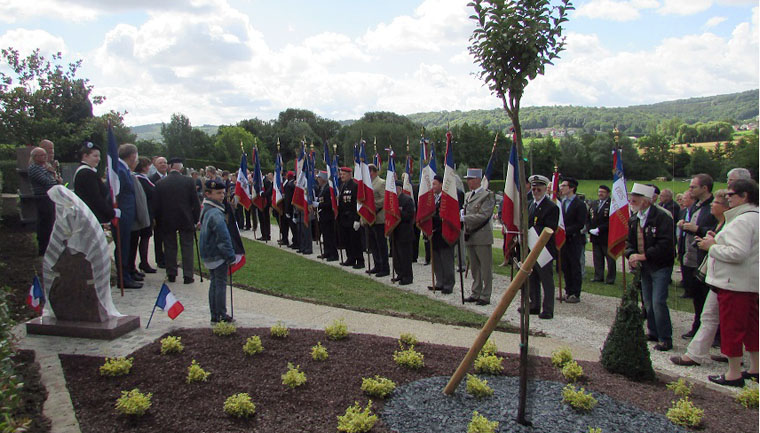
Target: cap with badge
474	173
537	179
175	161
89	146
642	190
212	184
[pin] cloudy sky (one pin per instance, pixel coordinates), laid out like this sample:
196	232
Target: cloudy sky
220	61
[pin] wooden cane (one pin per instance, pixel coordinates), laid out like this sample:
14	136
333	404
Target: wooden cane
498	312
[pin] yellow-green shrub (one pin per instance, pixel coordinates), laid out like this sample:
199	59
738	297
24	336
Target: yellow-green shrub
409	358
477	387
578	399
356	419
680	388
253	345
572	371
594	430
239	405
337	330
318	352
481	424
133	402
378	386
561	356
488	364
196	374
684	413
279	330
748	396
293	377
489	348
116	366
408	339
171	344
224	329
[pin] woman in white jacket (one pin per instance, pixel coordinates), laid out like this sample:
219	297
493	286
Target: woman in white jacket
732	271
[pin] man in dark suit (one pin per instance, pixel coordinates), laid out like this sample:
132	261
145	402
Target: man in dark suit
126	212
574	216
326	219
177	210
403	238
162	168
264	222
542	212
348	220
289	188
599	227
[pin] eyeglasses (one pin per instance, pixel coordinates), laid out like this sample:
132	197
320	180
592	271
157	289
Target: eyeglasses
724	204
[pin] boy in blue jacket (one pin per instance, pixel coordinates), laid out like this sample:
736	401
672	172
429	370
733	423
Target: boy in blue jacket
216	248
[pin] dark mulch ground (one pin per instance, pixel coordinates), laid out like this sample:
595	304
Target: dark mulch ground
332	385
33	394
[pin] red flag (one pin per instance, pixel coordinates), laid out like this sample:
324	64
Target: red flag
559	235
390	203
619	212
510	211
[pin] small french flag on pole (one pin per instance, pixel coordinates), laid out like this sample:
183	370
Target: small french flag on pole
36	296
167	302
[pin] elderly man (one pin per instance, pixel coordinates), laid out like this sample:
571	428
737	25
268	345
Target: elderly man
443	253
348	220
177	210
649	247
162	167
599	226
478	235
542	212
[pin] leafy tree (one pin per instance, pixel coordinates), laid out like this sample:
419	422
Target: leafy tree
45	100
545	154
745	155
228	143
177	136
701	162
656	155
150	148
681	161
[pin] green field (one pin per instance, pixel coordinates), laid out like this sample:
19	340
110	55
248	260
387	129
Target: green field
590	187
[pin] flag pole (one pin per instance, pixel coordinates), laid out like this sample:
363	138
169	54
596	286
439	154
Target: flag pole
154	306
198	252
432	261
119	260
232	303
459	256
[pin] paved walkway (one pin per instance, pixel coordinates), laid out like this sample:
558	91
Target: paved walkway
581	327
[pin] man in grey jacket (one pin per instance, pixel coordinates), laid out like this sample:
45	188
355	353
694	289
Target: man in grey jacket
478	234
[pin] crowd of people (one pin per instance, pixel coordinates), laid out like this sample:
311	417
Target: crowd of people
712	235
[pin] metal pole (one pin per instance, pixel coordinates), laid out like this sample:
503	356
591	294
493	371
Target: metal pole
432	262
119	260
232	303
198	252
461	271
366	239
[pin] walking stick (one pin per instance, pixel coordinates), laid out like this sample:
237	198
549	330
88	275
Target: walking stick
461	276
198	251
232	303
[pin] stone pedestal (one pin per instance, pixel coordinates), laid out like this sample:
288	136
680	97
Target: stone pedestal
108	330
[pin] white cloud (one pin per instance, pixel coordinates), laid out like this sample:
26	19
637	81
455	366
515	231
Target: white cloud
684	7
25	41
714	21
12	11
615	10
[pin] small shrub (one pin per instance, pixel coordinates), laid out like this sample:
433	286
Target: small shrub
488	364
293	377
116	366
477	387
481	424
561	356
378	386
337	330
680	388
224	329
408	339
409	358
684	413
171	345
748	396
279	330
489	348
239	405
594	430
318	352
578	399
572	371
196	374
253	345
356	419
133	403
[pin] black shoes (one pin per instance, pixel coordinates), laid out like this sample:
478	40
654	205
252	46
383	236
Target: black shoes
382	274
146	268
332	259
132	285
652	338
546	316
688	335
171	278
470	299
749	376
188	280
405	282
720	379
678	360
664	346
358	266
481	302
447	292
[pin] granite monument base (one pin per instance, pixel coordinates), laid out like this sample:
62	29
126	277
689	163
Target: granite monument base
107	330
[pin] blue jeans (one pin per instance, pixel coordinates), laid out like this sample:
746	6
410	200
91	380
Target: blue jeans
217	292
654	291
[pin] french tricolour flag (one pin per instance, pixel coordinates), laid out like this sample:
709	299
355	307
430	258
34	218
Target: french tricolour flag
510	211
36	296
390	201
619	211
242	187
425	197
167	302
449	210
365	196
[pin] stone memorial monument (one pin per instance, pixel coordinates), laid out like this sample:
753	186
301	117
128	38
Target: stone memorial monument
76	272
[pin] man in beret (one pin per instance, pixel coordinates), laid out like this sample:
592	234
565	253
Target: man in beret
177	210
289	188
478	235
599	227
574	216
348	220
649	247
542	212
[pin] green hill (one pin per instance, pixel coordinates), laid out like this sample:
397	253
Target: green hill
152	131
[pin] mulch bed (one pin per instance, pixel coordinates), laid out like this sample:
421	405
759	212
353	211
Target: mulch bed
32	395
332	386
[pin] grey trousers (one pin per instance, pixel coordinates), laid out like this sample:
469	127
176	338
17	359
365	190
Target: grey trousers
443	268
186	240
481	261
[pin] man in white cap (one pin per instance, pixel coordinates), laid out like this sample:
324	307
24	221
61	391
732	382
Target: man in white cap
649	247
542	212
478	235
